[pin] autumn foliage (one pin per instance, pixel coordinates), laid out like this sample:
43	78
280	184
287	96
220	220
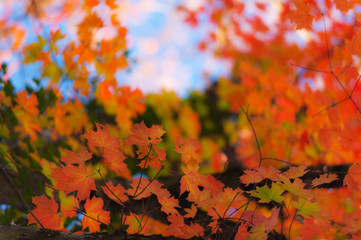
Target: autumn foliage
270	151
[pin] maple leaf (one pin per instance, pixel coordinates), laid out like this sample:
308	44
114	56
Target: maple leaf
353	178
72	178
143	136
116	193
306	208
309	229
78	157
258	218
343	5
28	104
95	214
27	124
114	159
68	205
324	178
258	232
270	172
144	189
46	212
250	176
89	4
190	151
33	50
301	17
26	112
111	3
102	138
191	212
179	229
325	136
140	187
296	187
352	222
296	171
91	21
190	182
242	233
266	194
168	204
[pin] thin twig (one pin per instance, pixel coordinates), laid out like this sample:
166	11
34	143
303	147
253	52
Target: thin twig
343	70
255	136
229	205
279	160
150	182
309	68
7	156
331	106
289	230
354	87
142	172
84	214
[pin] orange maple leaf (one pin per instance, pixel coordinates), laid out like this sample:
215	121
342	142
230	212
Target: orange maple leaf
114	160
28	124
301	16
95	215
191	212
145	189
324	178
353	178
270	172
143	136
111	3
179	229
258	218
250	176
343	5
296	171
28	104
242	233
46	212
190	151
89	4
168	204
116	193
102	138
72	178
78	157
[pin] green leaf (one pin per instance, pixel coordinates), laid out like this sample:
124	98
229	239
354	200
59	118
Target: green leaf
36	81
266	194
306	208
8	89
4	67
32	51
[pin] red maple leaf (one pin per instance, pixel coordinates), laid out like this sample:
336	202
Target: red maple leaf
102	138
95	215
116	193
302	16
114	160
143	136
78	157
46	212
72	178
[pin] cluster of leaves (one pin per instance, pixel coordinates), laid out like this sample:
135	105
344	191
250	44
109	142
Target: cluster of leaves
285	115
